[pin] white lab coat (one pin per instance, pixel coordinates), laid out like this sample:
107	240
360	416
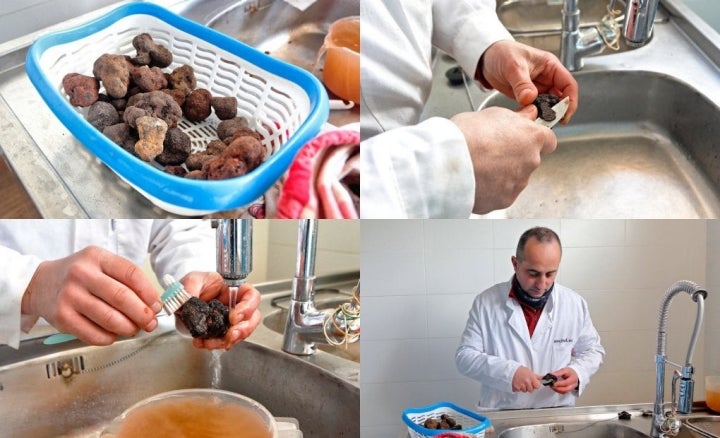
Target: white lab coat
496	342
411	169
176	247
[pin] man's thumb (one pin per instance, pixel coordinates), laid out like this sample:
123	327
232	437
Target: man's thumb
530	112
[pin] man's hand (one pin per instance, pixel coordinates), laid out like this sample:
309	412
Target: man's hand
525	380
244	318
568	380
94	294
505	148
522	72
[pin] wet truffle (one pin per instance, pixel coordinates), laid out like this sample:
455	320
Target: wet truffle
122	135
158	104
197	105
114	73
83	90
176	148
102	114
248	149
152	135
225	107
148	78
196	160
204	320
176	170
177	95
227	128
151	53
223	167
183	78
544	103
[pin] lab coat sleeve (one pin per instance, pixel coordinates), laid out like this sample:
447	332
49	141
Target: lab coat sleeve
180	246
17	271
466	28
588	353
472	360
420	171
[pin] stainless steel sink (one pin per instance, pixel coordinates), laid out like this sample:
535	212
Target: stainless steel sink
578	430
276	316
583	422
641	145
322	392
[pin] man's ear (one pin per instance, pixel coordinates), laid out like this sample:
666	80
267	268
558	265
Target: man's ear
513	260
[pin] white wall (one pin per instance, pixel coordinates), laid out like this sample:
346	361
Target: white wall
275	249
338	247
712	315
420	277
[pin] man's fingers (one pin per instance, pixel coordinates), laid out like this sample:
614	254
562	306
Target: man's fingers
131	276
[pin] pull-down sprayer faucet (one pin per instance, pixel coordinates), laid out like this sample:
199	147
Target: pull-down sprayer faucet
664	426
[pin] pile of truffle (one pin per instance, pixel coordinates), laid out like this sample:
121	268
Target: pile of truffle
444	422
142	105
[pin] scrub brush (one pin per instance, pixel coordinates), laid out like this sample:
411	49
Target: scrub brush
174	296
172	299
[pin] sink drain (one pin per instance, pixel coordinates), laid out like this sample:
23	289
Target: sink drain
65	368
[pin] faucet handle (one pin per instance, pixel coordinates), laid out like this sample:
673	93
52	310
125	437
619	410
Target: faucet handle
671	426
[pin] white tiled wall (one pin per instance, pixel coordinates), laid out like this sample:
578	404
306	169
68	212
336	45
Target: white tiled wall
338	247
712	315
420	277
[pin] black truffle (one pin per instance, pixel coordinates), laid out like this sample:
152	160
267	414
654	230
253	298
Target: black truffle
544	104
204	320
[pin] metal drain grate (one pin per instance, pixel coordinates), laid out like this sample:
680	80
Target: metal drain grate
65	368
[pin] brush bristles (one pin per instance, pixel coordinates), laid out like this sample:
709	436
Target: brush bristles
173	303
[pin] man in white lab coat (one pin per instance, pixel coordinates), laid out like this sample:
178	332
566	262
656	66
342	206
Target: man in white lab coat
475	162
520	331
83	277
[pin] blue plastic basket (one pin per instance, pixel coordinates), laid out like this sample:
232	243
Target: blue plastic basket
473	424
286	104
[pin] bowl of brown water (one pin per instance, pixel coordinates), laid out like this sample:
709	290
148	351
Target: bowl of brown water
194	413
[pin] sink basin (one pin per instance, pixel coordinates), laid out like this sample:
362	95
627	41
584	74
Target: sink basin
641	145
278	29
324	299
39	402
569	430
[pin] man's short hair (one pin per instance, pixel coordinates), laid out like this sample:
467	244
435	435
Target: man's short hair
541	234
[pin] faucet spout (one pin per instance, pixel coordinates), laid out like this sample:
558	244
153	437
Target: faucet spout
639	20
233	252
663	425
576	43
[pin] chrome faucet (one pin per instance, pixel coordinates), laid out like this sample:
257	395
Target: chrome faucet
575	44
639	19
662	425
307	326
233	246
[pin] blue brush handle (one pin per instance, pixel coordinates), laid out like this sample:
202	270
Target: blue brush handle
59	338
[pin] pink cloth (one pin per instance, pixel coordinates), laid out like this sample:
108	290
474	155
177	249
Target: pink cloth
324	179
